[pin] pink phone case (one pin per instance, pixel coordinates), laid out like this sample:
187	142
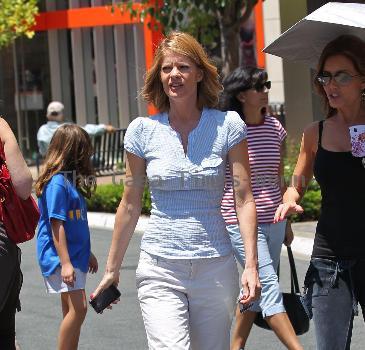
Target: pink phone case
357	134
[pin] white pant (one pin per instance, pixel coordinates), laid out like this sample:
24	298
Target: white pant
187	304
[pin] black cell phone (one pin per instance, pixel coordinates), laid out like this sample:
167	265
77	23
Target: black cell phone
105	298
244	308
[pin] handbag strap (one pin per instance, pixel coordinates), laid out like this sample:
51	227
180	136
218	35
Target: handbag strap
2	152
294	284
293	272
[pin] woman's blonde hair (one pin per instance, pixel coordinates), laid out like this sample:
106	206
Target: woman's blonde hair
209	87
70	153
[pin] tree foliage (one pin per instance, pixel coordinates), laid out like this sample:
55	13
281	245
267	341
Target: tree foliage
215	23
16	18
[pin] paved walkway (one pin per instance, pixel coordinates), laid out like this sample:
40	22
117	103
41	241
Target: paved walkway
303	231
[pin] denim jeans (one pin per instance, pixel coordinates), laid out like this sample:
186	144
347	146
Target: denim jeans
333	288
269	241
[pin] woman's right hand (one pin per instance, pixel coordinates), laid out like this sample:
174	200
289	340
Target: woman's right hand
251	286
286	209
108	279
68	274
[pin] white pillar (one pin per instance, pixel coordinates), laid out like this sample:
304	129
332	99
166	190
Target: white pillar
140	65
59	66
105	73
132	66
297	77
274	65
122	76
83	72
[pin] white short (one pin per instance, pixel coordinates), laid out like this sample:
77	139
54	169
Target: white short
54	283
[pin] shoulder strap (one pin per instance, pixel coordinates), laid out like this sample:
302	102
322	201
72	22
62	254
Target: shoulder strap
320	131
2	152
293	272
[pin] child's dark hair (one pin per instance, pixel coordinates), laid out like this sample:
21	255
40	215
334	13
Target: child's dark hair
70	151
240	79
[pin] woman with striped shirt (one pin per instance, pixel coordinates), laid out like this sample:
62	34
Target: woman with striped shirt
246	92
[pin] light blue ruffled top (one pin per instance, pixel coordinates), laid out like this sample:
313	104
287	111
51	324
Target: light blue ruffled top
186	189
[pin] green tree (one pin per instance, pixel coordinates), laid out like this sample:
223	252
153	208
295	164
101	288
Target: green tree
215	23
16	18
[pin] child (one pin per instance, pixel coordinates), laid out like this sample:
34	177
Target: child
63	240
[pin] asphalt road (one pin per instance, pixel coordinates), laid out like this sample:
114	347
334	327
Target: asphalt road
121	328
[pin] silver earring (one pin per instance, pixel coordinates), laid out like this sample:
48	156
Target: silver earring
363	96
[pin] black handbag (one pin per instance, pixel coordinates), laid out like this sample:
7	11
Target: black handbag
292	303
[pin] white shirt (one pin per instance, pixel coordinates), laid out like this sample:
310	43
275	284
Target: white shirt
46	131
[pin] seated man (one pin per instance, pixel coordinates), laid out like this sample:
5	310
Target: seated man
56	119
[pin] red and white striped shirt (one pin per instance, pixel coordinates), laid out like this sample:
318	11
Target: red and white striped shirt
264	144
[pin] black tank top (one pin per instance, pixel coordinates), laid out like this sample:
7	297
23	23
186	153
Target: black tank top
341	226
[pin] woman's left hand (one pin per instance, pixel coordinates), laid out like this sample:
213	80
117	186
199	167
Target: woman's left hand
289	235
251	286
108	279
93	264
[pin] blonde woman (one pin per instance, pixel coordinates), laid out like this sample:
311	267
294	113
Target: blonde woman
187	277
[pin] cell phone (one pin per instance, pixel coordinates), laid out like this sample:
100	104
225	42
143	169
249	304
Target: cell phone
242	307
357	134
105	298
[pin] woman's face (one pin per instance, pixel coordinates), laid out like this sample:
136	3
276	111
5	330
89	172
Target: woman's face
345	83
255	97
180	76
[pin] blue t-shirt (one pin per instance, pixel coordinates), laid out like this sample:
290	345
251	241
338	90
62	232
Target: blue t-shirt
61	200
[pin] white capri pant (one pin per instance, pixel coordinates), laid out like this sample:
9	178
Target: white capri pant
187	304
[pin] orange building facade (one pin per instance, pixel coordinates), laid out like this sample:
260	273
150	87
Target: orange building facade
88	56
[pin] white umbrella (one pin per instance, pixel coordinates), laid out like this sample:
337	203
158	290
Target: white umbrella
305	40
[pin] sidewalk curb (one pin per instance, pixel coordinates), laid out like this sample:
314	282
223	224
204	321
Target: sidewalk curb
300	245
303	232
106	221
303	238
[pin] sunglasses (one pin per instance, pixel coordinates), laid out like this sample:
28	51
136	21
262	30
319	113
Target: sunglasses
265	87
341	78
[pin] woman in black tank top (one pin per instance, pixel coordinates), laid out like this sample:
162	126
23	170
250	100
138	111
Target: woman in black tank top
335	282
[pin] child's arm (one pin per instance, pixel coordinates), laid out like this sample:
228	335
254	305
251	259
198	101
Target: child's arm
93	263
60	242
